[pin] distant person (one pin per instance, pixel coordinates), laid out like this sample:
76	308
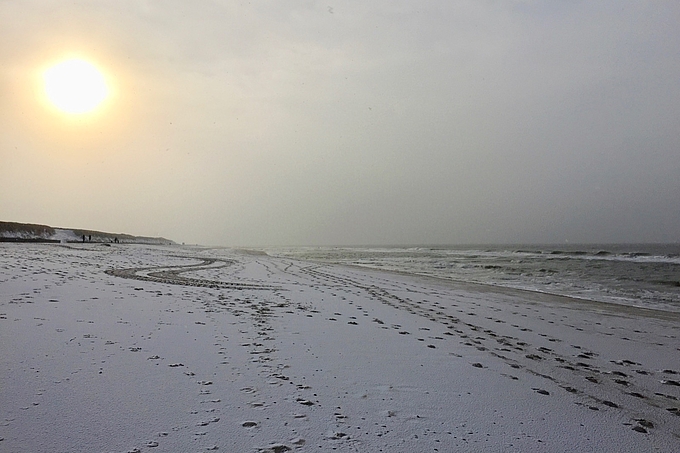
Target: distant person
83	238
115	240
89	238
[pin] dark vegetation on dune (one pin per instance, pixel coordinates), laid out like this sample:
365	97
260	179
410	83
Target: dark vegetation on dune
26	229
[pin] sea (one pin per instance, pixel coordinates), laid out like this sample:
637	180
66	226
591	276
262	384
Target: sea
641	275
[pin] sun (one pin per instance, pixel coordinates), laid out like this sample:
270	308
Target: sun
75	86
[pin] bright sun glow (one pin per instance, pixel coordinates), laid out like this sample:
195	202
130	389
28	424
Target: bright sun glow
75	86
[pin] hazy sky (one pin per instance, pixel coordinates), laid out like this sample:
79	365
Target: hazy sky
378	122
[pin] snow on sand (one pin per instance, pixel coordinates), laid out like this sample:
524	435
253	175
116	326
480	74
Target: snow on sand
129	348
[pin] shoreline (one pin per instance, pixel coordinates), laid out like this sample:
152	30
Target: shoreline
645	278
493	288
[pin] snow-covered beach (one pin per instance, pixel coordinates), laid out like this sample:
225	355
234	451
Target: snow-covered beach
122	348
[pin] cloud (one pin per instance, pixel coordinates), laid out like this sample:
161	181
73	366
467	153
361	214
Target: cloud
381	122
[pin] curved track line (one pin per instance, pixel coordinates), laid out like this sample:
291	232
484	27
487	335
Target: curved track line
172	275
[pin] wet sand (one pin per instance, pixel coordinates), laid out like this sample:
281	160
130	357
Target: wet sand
130	348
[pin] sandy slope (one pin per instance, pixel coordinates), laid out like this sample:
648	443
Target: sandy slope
141	348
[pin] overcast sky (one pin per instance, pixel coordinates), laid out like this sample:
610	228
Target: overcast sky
378	122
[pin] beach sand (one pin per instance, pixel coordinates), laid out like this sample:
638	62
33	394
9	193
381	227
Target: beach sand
128	348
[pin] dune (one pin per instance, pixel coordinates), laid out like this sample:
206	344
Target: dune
135	348
28	232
